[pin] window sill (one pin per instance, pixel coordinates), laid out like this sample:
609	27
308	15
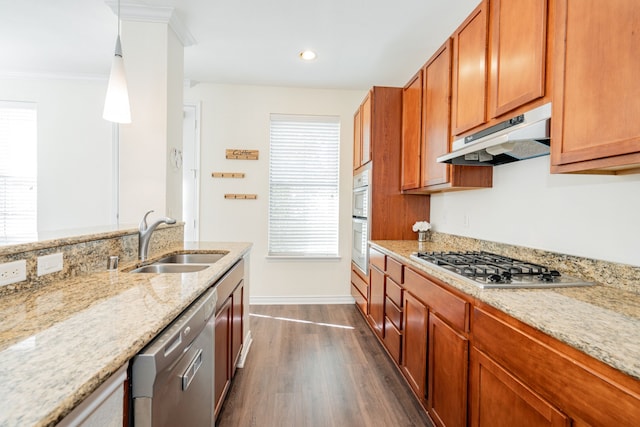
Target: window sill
304	257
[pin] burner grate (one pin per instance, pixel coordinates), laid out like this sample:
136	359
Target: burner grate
489	270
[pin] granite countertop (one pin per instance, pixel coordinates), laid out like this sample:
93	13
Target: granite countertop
601	321
58	343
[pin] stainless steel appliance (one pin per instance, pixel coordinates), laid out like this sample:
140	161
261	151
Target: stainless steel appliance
172	378
488	270
521	137
361	212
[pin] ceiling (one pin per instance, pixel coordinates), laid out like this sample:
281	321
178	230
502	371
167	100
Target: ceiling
360	43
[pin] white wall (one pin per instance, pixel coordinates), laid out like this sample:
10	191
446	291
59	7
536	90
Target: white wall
593	216
75	165
238	117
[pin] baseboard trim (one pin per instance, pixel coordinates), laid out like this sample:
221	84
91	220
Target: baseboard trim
245	350
289	300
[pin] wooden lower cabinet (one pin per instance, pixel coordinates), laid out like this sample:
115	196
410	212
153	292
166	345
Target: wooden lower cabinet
360	290
229	336
414	349
236	326
447	379
470	364
376	300
222	370
500	399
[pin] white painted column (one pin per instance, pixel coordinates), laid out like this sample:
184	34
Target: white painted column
154	63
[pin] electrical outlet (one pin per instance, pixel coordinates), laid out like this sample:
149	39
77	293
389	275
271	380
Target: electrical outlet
13	272
50	263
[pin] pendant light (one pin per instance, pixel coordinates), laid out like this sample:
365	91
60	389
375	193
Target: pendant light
116	104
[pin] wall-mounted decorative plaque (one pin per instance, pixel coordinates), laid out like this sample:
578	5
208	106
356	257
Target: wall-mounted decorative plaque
241	196
240	154
228	174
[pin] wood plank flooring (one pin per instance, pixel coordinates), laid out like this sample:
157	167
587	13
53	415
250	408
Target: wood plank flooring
317	366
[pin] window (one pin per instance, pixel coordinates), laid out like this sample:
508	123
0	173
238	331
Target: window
18	171
303	186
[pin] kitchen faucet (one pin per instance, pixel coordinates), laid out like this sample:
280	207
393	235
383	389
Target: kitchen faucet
144	234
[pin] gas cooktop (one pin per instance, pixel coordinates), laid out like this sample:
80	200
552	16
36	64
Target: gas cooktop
488	270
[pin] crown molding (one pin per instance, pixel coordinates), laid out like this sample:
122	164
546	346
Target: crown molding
29	75
135	12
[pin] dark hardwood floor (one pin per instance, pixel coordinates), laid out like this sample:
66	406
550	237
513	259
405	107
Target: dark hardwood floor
317	366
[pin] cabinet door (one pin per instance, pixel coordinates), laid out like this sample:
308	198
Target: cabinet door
499	399
470	72
414	346
436	118
411	118
357	140
236	326
222	378
518	52
447	385
596	95
376	300
366	112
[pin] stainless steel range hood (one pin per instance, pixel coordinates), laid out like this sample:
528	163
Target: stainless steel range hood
519	138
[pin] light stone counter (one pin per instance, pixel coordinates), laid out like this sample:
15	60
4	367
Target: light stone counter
601	321
59	342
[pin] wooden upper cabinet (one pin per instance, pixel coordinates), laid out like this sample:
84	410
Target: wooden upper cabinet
357	140
596	96
362	133
366	113
436	117
518	32
469	94
421	171
411	132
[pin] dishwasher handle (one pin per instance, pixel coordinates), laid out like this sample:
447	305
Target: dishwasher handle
191	371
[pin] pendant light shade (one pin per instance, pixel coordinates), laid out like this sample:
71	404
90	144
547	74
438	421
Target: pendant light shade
116	104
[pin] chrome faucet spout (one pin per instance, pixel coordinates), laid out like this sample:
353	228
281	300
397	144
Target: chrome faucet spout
145	231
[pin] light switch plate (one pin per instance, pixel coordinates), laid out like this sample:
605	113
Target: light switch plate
50	263
13	272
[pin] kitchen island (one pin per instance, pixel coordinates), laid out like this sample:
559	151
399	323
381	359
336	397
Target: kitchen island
60	342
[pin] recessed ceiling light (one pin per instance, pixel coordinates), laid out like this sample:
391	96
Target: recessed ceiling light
308	55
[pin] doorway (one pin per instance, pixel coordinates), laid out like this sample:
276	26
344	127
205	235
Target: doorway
191	172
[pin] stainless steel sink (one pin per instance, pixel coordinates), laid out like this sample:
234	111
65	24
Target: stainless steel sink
170	268
191	258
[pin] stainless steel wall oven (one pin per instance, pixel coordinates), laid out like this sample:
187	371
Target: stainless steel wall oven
360	217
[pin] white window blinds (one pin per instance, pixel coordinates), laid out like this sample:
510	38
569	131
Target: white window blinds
303	186
18	171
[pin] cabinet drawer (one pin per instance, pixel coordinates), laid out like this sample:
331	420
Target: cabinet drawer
394	313
392	340
361	302
394	292
451	308
395	270
359	283
377	259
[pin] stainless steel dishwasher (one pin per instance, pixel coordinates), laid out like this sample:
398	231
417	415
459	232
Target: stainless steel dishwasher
172	378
